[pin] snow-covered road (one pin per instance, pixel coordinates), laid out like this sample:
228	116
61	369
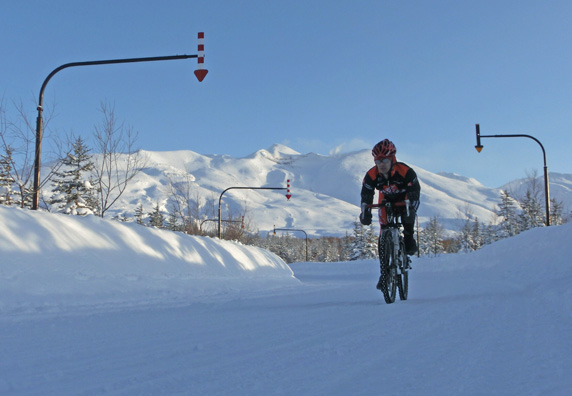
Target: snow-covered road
94	307
461	332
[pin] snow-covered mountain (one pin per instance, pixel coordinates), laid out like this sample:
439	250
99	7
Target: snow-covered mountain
325	189
560	187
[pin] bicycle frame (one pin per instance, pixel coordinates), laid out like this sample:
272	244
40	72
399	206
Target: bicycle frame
394	261
394	224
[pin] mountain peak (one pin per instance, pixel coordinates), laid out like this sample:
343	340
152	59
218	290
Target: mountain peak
275	151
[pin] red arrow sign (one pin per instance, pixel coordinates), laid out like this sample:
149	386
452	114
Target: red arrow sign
201	74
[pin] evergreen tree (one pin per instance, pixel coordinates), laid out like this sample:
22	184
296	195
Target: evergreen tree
156	218
509	225
556	212
173	222
284	247
364	244
139	214
532	214
345	248
72	193
6	179
488	235
477	235
431	238
465	237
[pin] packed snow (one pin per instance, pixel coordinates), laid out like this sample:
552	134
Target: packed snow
97	307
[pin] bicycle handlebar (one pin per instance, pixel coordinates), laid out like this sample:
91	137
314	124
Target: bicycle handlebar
388	203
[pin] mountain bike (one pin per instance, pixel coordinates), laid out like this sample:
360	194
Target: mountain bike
394	262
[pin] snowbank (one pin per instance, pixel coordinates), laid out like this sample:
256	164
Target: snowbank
53	259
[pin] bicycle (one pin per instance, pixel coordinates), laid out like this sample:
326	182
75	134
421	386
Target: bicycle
393	260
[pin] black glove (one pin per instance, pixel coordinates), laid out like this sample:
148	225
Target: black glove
365	215
413	197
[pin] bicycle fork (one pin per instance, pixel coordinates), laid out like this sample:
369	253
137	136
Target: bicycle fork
398	258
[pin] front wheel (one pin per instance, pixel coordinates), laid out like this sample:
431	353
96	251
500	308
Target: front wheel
403	282
387	283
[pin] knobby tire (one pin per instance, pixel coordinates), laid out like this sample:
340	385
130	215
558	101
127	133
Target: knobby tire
403	282
387	267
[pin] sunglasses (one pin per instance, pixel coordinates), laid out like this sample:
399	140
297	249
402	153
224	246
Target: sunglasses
385	161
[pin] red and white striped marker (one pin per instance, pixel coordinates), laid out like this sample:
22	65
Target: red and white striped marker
201	72
288	195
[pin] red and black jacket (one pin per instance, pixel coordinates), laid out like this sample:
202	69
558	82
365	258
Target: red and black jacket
402	183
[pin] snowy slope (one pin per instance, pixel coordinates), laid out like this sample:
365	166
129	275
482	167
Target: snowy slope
94	307
49	258
325	189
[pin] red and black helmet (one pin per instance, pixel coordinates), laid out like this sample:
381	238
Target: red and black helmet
384	149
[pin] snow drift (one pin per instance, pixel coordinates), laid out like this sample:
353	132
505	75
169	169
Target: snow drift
51	259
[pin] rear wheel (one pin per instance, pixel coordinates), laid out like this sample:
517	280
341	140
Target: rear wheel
387	278
403	284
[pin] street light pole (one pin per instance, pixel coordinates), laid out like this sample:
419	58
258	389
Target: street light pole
39	121
479	147
200	73
247	188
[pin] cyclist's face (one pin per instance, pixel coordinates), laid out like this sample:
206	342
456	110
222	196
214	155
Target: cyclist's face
383	165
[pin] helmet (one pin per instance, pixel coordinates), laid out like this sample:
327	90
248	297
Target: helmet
385	148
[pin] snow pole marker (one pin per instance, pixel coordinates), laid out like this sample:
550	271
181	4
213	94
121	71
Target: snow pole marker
201	72
288	195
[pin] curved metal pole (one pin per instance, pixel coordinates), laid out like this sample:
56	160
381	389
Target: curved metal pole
295	229
39	121
241	188
546	184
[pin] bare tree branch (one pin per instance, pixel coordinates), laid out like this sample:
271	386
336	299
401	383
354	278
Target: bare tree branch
118	162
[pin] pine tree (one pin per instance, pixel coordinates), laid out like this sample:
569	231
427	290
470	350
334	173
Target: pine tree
6	179
364	244
488	235
509	225
156	218
431	238
345	248
173	222
477	235
371	246
139	214
465	237
72	193
556	212
532	214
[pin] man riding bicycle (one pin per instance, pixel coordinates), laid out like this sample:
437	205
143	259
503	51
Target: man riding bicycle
396	182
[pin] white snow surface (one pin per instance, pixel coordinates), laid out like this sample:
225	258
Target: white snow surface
96	307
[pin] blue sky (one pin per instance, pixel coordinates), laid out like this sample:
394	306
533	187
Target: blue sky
317	75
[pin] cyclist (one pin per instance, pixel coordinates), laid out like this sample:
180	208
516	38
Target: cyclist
396	182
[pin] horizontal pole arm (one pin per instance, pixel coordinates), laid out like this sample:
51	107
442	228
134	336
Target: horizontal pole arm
108	62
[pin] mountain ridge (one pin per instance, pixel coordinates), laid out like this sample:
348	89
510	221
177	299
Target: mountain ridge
325	189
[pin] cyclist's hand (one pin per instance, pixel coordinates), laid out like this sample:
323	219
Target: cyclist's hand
413	197
365	218
365	215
